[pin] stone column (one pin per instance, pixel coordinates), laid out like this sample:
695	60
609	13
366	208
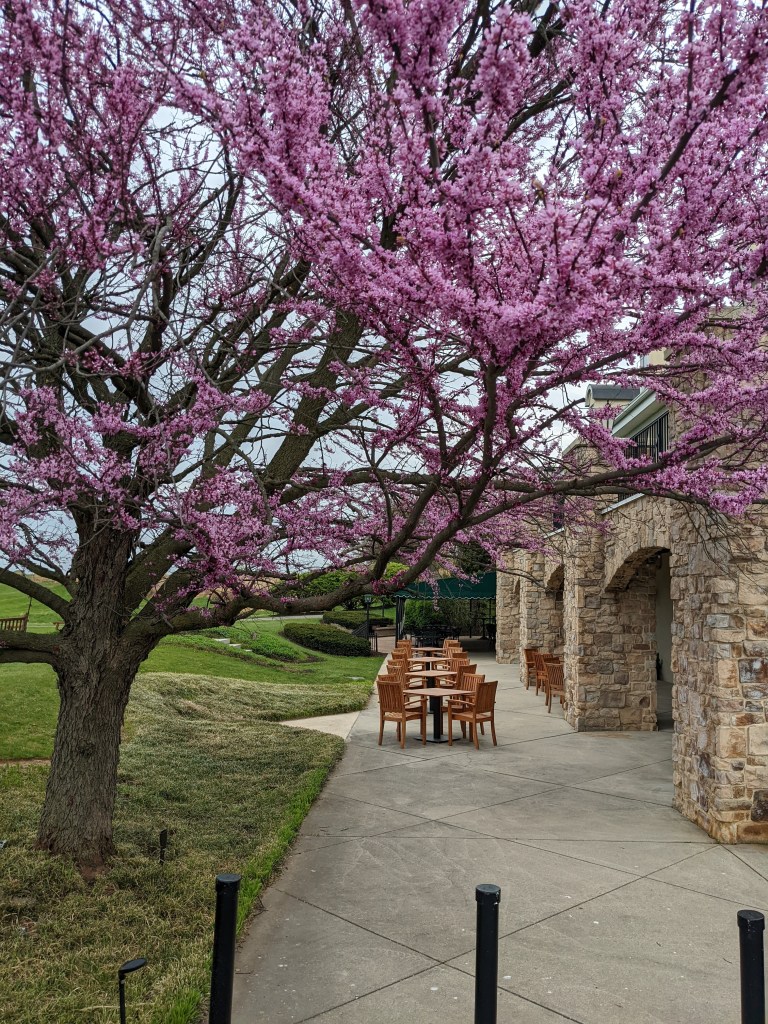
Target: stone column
507	617
720	663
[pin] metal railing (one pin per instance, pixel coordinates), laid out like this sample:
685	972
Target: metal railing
651	441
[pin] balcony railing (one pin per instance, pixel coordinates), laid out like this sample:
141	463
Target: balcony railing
651	441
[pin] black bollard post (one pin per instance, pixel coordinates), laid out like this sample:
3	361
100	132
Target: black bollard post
751	928
127	968
224	935
487	953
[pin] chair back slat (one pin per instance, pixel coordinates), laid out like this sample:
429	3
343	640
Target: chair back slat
471	681
390	695
555	676
485	697
529	653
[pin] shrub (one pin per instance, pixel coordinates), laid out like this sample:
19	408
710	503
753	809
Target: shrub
351	620
419	614
267	645
328	639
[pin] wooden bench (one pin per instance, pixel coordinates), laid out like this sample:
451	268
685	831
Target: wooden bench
15	625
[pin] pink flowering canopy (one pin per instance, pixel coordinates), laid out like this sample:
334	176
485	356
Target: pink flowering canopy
288	286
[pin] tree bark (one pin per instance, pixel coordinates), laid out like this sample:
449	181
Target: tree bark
80	795
96	659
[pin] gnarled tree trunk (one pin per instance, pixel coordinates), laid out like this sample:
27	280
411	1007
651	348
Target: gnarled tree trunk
96	660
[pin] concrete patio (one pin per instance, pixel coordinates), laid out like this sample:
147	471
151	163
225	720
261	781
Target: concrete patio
614	908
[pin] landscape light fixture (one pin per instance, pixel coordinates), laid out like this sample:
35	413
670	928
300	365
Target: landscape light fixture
128	968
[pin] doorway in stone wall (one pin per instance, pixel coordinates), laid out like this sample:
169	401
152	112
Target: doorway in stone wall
664	678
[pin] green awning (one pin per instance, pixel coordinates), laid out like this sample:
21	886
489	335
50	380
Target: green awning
483	589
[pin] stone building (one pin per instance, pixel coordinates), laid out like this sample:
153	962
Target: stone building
661	619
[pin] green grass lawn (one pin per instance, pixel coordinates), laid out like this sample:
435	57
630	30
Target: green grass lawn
231	787
306	685
205	757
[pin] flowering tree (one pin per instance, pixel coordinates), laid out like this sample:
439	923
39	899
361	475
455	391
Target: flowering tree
309	286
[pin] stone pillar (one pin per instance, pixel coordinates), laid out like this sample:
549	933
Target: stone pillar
720	664
507	617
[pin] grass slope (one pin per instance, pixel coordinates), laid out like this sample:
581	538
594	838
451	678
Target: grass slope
232	788
292	682
204	757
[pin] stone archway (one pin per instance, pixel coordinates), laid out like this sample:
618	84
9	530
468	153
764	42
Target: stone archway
641	643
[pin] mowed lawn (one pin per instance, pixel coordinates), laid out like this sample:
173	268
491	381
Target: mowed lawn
205	757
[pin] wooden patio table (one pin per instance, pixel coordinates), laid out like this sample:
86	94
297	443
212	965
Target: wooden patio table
431	673
436	694
429	660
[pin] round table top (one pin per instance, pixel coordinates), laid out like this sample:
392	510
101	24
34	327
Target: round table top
433	673
427	650
432	659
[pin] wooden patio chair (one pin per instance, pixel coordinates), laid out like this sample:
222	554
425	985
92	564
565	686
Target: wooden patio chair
555	682
393	707
530	665
541	659
481	710
470	681
462	670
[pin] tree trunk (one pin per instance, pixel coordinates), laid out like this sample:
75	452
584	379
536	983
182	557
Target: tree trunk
80	795
96	658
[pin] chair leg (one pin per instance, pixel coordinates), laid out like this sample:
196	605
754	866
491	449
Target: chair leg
450	726
482	728
475	736
493	730
381	729
423	723
402	734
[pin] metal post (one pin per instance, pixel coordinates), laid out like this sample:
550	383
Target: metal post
127	968
224	936
751	928
488	898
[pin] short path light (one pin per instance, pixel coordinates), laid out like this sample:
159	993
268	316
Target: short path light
128	968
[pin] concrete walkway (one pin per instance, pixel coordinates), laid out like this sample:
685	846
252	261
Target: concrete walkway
613	909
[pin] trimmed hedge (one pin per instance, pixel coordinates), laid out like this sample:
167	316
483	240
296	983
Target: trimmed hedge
352	620
328	639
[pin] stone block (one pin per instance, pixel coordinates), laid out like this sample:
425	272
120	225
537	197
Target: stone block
757	741
731	635
751	832
753	672
731	742
727	673
759	810
757	629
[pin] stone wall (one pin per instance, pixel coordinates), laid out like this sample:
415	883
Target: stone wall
603	620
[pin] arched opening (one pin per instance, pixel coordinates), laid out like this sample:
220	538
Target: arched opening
552	608
642	638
